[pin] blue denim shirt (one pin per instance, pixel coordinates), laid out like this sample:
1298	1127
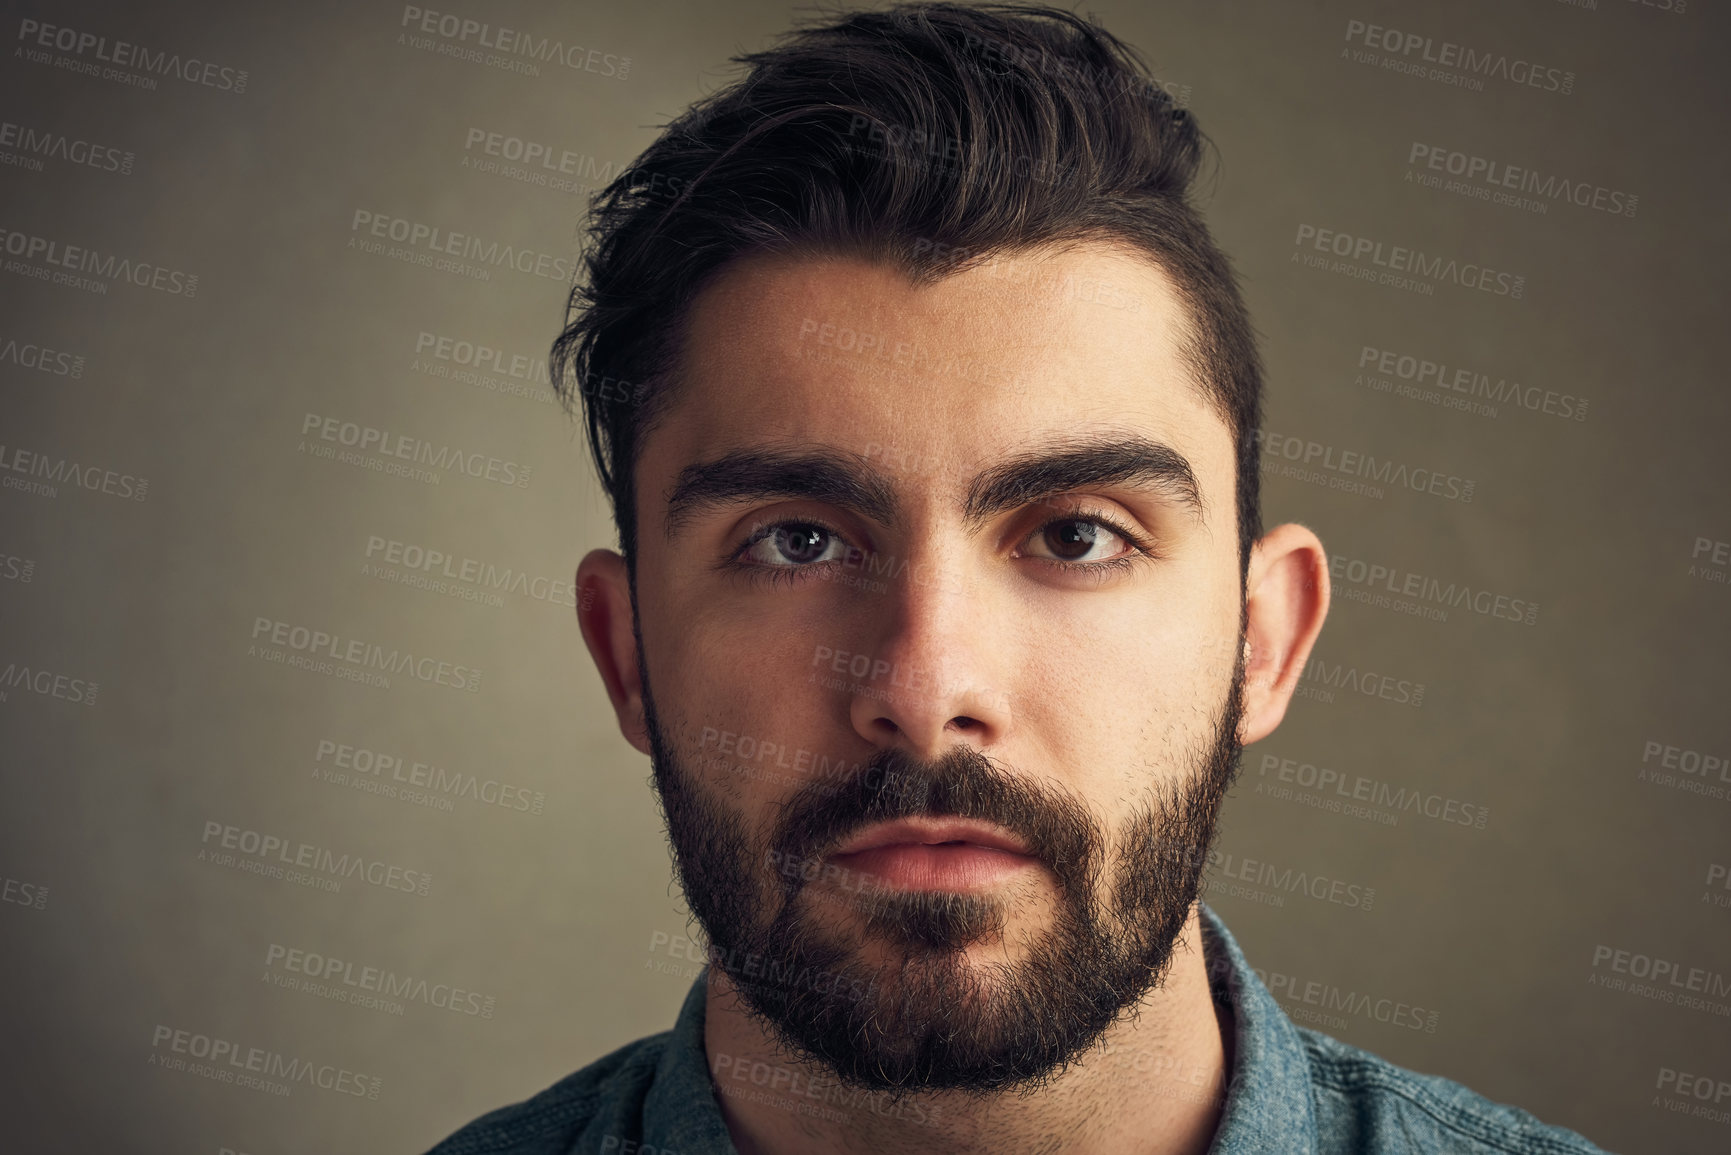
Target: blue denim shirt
1293	1091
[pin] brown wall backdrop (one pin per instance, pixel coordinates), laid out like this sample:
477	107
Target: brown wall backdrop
1512	750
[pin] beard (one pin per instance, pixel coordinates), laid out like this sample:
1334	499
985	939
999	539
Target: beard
921	1017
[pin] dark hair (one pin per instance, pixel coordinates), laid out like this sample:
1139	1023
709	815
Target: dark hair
927	137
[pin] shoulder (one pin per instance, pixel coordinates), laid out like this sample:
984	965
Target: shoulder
551	1122
1366	1103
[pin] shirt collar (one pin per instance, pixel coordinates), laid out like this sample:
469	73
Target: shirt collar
680	1112
1268	1106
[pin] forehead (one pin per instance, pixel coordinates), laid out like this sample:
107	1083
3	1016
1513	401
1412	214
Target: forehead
945	376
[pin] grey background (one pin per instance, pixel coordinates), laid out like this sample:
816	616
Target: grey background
567	918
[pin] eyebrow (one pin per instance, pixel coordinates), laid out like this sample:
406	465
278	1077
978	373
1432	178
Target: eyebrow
1039	475
851	481
832	477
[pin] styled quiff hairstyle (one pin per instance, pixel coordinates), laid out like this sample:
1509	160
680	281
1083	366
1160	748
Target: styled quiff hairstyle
927	137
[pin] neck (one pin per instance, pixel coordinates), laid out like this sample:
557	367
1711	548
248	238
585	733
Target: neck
1154	1084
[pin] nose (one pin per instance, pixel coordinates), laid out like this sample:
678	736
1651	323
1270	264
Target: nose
934	679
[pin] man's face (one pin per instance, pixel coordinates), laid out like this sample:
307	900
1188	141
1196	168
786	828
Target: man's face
938	594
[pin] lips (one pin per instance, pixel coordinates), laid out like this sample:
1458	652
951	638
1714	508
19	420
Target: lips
933	832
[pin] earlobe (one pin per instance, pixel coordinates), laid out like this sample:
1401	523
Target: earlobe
605	615
1286	602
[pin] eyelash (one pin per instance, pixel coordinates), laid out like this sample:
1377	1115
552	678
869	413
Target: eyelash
792	574
775	574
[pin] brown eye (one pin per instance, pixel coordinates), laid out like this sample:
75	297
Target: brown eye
1071	540
802	543
1079	540
792	543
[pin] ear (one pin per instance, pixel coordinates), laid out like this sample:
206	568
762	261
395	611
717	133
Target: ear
605	616
1285	602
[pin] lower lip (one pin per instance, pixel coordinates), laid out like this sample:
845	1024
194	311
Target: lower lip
940	866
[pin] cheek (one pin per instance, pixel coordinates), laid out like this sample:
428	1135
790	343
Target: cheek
744	707
1136	703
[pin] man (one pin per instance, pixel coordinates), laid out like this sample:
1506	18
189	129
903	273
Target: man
927	405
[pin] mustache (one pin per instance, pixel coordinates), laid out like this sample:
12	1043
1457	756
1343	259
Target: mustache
963	783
